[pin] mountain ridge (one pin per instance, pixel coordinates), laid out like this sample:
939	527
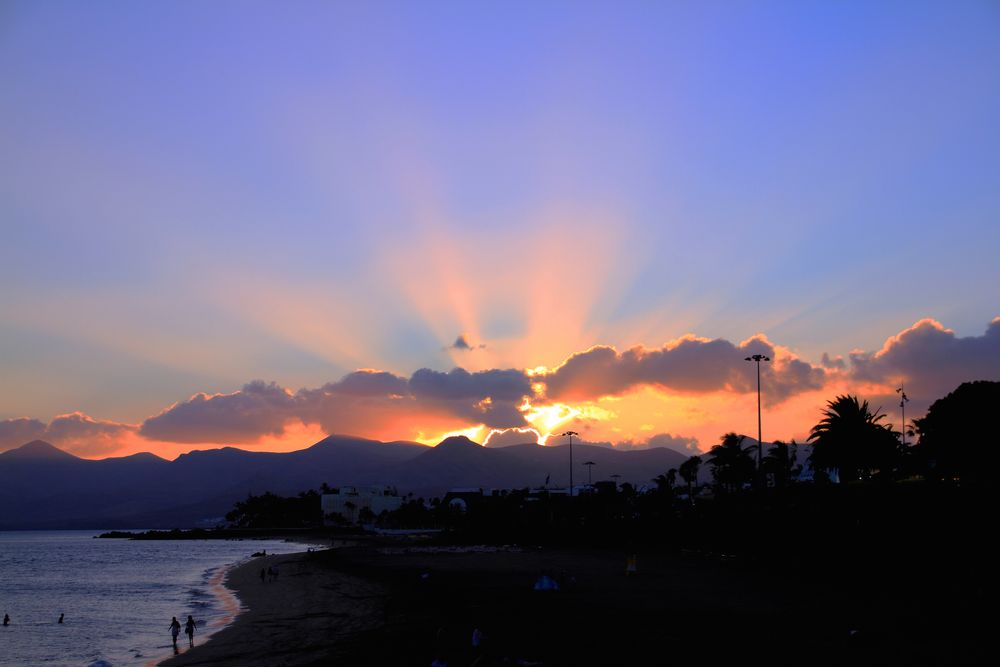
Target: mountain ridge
42	486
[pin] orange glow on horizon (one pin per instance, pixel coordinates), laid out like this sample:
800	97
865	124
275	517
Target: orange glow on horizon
473	433
539	439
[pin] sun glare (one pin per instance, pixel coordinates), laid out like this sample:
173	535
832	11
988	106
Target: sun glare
473	433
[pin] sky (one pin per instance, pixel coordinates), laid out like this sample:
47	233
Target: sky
257	223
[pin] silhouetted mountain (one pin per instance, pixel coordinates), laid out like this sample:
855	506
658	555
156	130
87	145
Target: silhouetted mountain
37	450
42	486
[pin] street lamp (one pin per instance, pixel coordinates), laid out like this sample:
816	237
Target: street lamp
903	400
757	358
570	434
590	479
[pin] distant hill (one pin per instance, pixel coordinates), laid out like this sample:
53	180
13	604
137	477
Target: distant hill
42	486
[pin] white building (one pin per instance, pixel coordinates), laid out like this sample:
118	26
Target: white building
349	501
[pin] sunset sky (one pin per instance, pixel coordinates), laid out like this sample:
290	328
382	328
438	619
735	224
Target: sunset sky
257	223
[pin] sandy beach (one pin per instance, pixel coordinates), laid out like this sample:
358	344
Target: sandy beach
401	605
309	614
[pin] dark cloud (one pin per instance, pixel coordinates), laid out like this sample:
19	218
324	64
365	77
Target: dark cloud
833	363
76	433
462	343
351	405
512	437
931	360
688	365
502	385
259	408
368	383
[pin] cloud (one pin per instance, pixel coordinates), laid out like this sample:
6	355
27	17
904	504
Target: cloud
688	365
512	436
357	403
462	343
259	408
678	443
931	359
16	432
75	432
367	382
613	398
834	363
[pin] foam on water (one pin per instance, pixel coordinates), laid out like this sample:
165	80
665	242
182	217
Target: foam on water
118	595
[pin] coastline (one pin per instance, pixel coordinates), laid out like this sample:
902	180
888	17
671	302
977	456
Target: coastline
306	615
401	604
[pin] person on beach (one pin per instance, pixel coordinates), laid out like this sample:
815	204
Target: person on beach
6	620
263	573
60	618
175	629
189	630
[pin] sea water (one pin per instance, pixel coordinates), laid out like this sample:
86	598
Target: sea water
118	596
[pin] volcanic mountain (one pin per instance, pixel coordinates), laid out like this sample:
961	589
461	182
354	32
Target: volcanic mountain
42	486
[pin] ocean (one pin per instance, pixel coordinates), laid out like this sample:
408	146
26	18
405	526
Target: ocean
118	596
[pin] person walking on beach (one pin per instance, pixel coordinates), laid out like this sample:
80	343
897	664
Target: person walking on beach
189	630
6	620
60	618
175	629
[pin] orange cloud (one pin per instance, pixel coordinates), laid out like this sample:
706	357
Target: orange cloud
696	388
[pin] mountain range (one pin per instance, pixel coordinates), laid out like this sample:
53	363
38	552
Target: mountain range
43	487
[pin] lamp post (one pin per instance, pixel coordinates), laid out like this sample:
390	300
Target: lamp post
757	358
903	400
590	478
570	434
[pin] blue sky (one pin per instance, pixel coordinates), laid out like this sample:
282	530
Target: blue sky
196	195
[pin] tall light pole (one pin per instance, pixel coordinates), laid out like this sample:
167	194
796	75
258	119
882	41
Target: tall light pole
590	478
757	358
570	434
903	400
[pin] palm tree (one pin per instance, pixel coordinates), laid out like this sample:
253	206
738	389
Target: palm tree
850	440
780	462
732	463
665	482
689	473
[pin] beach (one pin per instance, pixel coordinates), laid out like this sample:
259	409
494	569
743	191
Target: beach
407	605
308	614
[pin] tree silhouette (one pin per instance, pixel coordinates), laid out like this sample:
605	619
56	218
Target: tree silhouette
850	440
779	463
689	473
732	463
665	482
956	440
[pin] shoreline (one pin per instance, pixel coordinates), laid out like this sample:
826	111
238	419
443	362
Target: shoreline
300	617
402	604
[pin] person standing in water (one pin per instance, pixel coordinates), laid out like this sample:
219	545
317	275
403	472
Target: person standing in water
175	629
6	620
189	630
60	618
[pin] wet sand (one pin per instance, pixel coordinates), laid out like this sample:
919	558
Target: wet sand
310	614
